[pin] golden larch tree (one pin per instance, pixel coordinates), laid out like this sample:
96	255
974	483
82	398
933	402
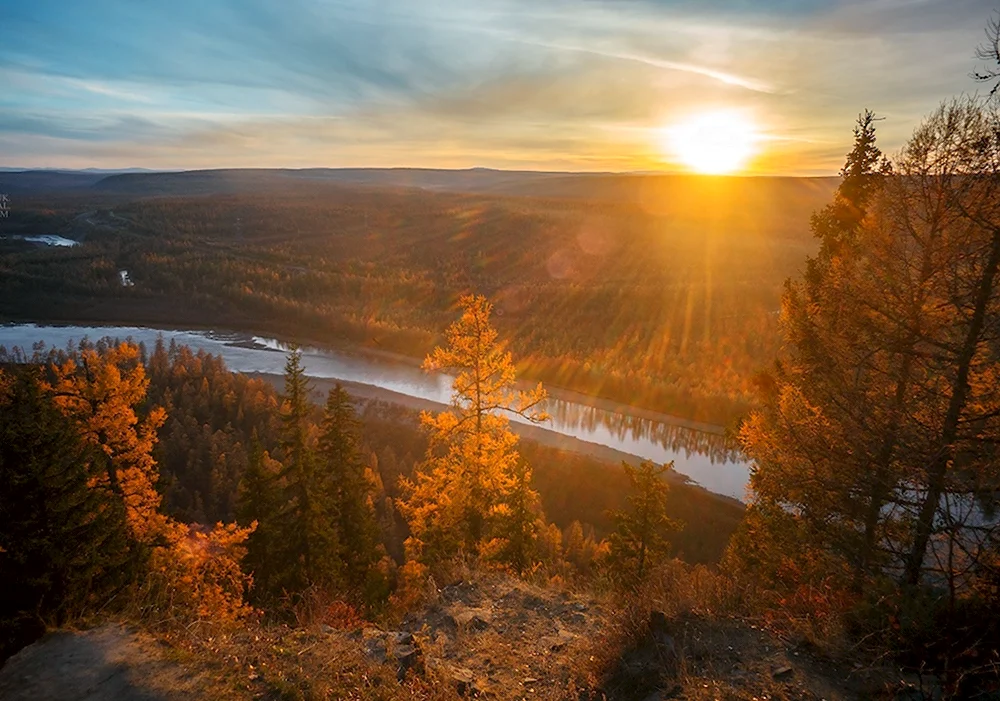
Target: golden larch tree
471	458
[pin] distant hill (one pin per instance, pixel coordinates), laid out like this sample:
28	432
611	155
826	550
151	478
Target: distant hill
613	187
40	181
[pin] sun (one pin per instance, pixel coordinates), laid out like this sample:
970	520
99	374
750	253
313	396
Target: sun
713	143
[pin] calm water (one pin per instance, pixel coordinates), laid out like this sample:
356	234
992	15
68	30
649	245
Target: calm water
701	455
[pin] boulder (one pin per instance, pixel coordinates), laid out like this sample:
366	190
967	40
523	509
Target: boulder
375	649
466	683
407	657
473	619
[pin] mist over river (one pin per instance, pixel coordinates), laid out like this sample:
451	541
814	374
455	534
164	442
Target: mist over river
697	451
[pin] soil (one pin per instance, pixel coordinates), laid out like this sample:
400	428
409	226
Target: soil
109	663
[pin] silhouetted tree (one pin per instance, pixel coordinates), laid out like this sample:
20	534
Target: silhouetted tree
64	545
639	540
350	488
989	53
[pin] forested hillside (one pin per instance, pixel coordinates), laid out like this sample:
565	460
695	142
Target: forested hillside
654	291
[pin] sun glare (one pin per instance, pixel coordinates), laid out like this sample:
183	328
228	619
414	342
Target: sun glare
713	143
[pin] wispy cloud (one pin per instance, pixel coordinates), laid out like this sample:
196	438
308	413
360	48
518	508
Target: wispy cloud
714	74
446	82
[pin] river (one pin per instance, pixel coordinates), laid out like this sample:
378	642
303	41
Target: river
698	452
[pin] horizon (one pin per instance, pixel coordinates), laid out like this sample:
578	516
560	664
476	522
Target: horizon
556	86
137	170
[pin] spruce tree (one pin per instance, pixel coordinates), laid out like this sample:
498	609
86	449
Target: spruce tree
349	488
64	545
639	539
260	500
306	546
516	522
814	437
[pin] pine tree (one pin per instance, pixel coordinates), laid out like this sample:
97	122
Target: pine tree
639	540
471	458
64	546
350	488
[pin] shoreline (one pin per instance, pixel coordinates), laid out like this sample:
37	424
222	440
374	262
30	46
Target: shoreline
554	391
537	434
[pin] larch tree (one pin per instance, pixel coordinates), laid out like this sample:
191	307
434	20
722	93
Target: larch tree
103	392
100	393
954	164
471	460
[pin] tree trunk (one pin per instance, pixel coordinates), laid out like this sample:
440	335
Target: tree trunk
938	469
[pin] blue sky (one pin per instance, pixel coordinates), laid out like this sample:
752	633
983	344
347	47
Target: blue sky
547	84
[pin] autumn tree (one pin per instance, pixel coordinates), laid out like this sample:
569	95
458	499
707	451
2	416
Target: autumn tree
64	545
639	539
824	464
953	164
80	455
102	389
471	460
875	445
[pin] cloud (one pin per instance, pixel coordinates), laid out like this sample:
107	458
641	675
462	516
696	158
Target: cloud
390	82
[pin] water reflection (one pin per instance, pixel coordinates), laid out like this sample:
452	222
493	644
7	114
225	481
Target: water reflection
673	436
703	455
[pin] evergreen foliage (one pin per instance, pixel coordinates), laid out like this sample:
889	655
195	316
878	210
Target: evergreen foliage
350	488
639	540
64	545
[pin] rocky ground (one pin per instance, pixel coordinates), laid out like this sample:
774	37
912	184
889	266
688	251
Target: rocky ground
496	638
109	663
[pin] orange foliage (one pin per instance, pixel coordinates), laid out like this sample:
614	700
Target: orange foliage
198	574
102	391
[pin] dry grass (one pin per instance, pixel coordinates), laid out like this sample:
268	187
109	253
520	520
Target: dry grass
278	662
690	633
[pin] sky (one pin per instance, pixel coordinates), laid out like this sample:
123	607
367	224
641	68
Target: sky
577	85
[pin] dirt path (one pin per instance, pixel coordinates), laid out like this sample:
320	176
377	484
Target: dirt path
109	663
